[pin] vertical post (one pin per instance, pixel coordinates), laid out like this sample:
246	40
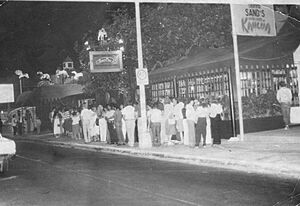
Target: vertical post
296	56
231	103
21	86
237	74
143	124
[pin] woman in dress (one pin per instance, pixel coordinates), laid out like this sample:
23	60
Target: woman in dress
57	124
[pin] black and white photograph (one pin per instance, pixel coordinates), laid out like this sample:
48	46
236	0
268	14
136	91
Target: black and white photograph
149	103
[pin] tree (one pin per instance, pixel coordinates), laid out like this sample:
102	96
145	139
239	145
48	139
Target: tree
169	32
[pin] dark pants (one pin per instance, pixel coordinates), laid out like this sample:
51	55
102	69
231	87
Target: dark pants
20	128
15	130
119	133
112	133
216	130
286	109
200	130
156	128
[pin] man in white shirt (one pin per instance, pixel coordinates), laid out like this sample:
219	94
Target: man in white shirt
129	116
284	97
155	117
85	117
202	113
179	117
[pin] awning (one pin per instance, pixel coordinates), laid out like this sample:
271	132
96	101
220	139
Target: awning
253	52
55	92
25	99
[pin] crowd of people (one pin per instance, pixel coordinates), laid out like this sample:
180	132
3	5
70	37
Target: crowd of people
24	123
193	122
169	121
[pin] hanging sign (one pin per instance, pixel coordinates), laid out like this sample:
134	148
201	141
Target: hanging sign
142	76
106	61
253	19
6	93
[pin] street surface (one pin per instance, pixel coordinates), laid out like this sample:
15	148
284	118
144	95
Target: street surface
46	175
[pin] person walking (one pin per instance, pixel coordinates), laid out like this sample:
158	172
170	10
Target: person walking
284	97
129	116
155	117
14	124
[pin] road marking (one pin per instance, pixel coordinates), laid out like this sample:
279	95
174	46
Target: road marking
34	160
8	178
114	182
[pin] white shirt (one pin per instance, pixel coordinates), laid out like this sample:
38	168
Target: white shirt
202	112
168	110
284	95
155	115
190	112
178	110
86	114
110	114
129	113
75	119
215	109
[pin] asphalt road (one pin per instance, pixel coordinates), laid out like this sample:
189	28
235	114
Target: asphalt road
46	175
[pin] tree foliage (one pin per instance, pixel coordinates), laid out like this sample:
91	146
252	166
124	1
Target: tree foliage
169	32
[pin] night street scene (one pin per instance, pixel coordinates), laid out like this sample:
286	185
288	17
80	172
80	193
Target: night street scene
148	102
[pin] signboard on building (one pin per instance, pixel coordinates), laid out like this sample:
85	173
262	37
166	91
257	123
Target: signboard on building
6	93
142	76
253	20
106	61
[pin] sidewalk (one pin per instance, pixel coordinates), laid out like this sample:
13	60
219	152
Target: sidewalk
272	158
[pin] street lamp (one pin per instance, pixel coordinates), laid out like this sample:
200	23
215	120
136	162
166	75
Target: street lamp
21	75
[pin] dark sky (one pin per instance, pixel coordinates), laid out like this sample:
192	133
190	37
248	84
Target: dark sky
38	36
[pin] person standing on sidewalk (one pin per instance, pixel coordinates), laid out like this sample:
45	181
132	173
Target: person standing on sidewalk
284	97
189	133
57	121
85	117
75	125
216	113
202	113
38	124
118	125
123	123
14	124
129	116
178	106
155	116
102	124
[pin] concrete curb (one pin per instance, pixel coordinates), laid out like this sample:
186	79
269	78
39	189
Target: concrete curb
240	165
